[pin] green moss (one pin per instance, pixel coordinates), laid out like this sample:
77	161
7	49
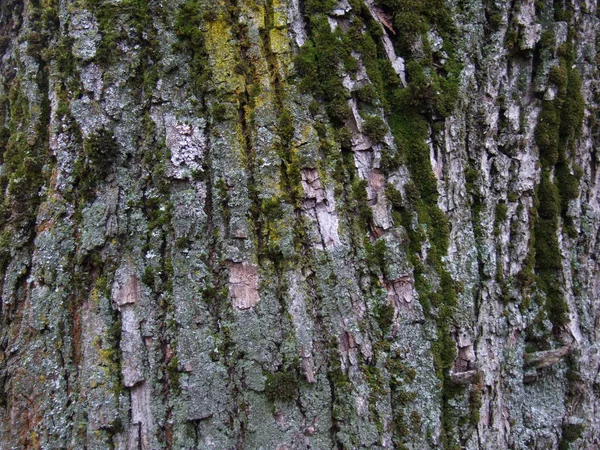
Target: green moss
286	127
339	379
559	126
214	295
318	6
101	150
188	28
367	45
547	133
281	386
344	136
376	383
401	430
548	40
359	192
174	375
318	66
405	398
411	131
394	196
547	254
25	154
375	255
117	23
501	212
384	315
315	108
148	277
559	76
221	112
4	43
429	92
444	350
561	14
391	161
375	128
338	110
511	41
573	109
271	209
400	376
513	197
526	277
495	20
433	85
438	228
413	18
475	404
471	175
110	355
548	260
367	94
416	421
305	64
35	44
568	185
97	161
499	217
570	433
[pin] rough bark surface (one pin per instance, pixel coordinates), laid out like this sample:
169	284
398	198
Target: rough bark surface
286	224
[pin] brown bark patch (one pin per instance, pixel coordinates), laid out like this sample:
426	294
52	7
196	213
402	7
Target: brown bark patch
243	285
129	292
400	291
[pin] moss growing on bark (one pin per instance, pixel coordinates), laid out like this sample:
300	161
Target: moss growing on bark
559	125
97	161
548	260
413	18
318	64
547	133
127	21
188	28
570	434
375	128
281	386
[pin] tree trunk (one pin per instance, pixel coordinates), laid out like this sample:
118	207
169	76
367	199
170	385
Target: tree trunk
272	224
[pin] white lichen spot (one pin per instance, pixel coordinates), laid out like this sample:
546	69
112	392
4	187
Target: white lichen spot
187	144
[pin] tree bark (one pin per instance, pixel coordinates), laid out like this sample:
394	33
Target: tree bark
299	224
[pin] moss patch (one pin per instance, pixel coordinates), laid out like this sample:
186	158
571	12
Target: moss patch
282	386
